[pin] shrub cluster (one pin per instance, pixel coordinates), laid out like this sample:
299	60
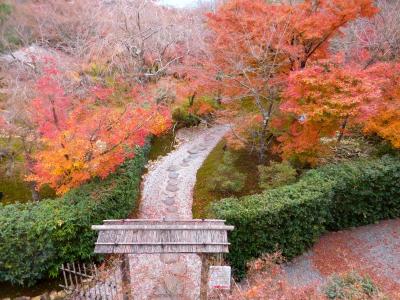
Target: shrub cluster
226	178
290	218
36	238
352	286
193	112
276	174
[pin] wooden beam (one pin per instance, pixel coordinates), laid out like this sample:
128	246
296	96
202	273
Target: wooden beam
161	243
166	220
162	227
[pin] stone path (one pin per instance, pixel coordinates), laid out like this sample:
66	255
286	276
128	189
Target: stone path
167	192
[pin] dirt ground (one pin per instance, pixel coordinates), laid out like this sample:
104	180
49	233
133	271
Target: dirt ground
373	250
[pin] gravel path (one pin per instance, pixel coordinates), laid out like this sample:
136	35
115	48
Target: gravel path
372	249
167	192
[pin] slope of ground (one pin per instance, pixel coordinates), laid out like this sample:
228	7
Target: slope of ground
373	250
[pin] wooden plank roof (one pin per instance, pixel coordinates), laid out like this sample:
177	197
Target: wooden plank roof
162	236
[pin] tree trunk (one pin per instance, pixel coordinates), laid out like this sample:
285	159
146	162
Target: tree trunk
34	192
191	99
32	184
262	145
263	134
10	166
342	129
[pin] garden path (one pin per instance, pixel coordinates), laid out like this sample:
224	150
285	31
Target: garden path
167	192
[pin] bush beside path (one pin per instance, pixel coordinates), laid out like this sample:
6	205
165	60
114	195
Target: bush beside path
292	218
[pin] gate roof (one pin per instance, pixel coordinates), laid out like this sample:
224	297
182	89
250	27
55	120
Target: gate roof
162	236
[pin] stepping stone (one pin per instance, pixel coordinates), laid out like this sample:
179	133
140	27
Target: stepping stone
193	156
165	296
174	285
173	175
172	182
160	293
186	160
178	268
202	147
171	209
173	168
170	194
172	188
193	151
184	164
168	258
169	201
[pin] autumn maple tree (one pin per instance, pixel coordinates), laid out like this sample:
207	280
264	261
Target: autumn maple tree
254	45
320	102
91	137
271	66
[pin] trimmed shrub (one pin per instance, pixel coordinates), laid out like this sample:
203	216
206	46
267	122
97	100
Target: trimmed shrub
36	238
290	218
364	192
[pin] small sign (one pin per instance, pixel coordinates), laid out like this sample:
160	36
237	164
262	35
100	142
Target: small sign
219	278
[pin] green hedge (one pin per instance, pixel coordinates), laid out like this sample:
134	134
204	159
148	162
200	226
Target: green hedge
36	238
292	217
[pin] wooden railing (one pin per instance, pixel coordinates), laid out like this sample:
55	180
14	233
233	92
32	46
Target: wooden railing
86	282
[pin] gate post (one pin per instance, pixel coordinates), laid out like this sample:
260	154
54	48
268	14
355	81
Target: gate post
204	277
126	278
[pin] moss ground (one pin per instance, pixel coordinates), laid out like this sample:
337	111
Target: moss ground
14	188
162	145
203	195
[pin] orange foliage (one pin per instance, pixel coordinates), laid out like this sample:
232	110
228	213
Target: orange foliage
201	108
302	142
254	45
385	119
321	101
88	138
316	22
386	124
294	33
